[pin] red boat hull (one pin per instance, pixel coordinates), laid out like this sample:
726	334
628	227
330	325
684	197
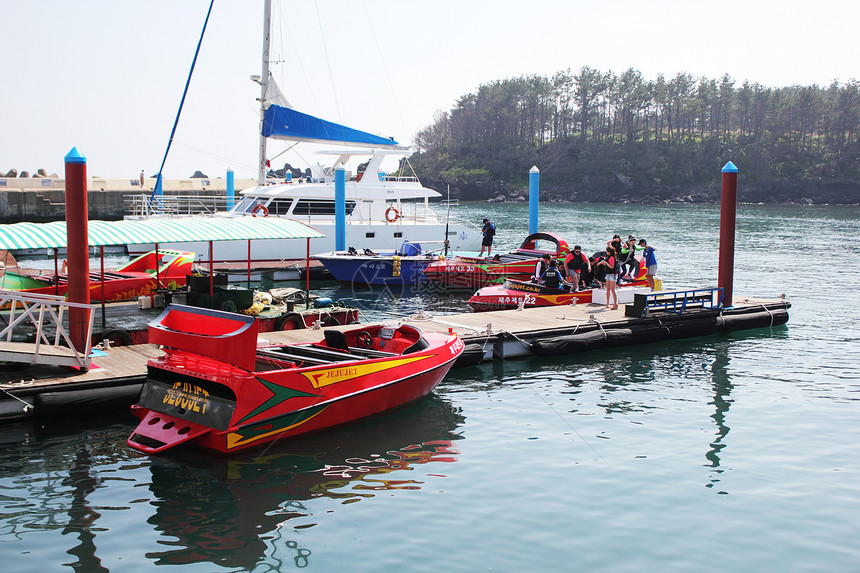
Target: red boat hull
474	272
513	293
137	278
214	388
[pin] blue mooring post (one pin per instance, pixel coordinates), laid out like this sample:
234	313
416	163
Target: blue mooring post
231	189
340	208
534	197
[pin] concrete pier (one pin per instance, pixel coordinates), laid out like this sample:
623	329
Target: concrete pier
42	199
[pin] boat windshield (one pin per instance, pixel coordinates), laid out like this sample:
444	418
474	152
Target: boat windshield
248	204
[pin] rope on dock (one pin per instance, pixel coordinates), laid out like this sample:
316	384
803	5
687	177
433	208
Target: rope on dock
27	405
527	345
767	310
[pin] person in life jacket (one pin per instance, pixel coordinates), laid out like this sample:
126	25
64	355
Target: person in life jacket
650	262
612	267
578	268
489	231
629	262
540	267
551	277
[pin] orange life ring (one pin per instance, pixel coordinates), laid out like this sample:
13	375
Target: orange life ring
392	214
260	207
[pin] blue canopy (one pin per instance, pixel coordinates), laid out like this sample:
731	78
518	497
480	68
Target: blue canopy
285	123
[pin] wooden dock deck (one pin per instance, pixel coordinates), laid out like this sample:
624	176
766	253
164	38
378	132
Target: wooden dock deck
499	334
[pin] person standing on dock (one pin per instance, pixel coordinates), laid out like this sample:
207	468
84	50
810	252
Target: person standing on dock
489	231
650	262
612	267
141	178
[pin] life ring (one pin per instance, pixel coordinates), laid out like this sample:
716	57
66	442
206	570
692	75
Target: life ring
392	214
260	207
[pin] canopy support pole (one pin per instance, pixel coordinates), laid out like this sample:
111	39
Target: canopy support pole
56	274
211	274
102	257
308	275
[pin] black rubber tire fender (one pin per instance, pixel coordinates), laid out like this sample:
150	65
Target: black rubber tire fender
290	321
117	337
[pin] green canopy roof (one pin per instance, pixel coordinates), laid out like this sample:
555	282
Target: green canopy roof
175	230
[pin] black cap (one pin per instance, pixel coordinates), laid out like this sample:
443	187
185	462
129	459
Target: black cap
575	247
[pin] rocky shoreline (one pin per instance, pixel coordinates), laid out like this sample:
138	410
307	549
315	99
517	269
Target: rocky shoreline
620	190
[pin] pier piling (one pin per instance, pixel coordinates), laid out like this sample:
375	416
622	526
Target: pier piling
77	253
340	207
728	209
534	198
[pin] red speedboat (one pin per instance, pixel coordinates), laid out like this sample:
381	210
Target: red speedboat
137	278
475	272
216	388
513	293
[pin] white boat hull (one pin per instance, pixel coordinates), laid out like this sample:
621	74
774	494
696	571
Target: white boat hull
376	237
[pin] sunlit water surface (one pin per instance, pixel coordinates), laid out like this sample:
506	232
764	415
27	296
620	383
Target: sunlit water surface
720	453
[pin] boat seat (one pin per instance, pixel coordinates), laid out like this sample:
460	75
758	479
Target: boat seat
319	352
370	353
296	358
336	339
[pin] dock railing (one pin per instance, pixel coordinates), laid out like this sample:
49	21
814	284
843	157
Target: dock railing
675	301
45	313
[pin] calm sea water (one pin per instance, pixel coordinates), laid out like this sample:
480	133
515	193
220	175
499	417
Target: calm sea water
719	453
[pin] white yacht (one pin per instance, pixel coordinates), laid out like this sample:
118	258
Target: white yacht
382	210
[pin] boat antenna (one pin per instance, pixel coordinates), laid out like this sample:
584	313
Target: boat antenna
157	190
447	219
264	84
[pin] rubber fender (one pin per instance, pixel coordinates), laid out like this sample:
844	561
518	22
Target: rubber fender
762	319
117	337
472	354
79	402
329	320
569	343
290	321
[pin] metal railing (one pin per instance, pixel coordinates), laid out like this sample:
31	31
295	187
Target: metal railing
179	205
45	313
678	301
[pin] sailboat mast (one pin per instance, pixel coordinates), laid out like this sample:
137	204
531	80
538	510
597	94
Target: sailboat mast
264	83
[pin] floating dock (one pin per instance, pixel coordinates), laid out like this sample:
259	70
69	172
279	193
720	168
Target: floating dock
116	375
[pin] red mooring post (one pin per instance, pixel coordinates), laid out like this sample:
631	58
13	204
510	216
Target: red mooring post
77	250
728	209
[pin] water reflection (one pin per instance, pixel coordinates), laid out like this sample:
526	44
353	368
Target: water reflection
722	388
237	511
82	517
624	382
48	480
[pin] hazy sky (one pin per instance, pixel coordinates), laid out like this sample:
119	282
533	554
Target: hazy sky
107	76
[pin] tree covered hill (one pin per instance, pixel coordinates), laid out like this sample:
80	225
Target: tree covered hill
602	137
